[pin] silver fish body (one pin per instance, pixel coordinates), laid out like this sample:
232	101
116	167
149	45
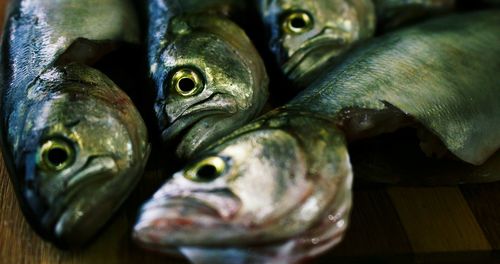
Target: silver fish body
283	181
209	78
427	73
305	35
278	189
73	142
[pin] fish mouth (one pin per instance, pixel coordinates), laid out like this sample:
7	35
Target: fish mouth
186	122
72	205
181	208
217	104
174	221
159	220
322	44
178	133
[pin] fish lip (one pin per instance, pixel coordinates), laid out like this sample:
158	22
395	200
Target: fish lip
158	219
183	124
314	44
81	178
182	202
166	219
78	185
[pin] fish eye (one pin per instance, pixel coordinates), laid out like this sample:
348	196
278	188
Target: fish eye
206	170
56	154
187	82
297	22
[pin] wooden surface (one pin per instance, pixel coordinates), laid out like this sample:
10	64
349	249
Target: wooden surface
401	224
388	224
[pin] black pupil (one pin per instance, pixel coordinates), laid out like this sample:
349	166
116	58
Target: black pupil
207	173
57	156
186	84
298	22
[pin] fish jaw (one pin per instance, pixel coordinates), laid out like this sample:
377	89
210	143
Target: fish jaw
297	250
314	242
83	219
329	38
290	50
196	133
167	220
307	63
203	123
326	234
76	201
254	214
74	214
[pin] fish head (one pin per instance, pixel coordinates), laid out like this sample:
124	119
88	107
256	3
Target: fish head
213	81
85	147
308	32
262	185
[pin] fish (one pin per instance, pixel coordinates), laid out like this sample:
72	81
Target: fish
305	35
279	189
208	77
73	142
263	187
394	13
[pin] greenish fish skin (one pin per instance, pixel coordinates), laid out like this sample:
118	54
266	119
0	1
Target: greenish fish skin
231	75
74	144
304	49
284	180
393	13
